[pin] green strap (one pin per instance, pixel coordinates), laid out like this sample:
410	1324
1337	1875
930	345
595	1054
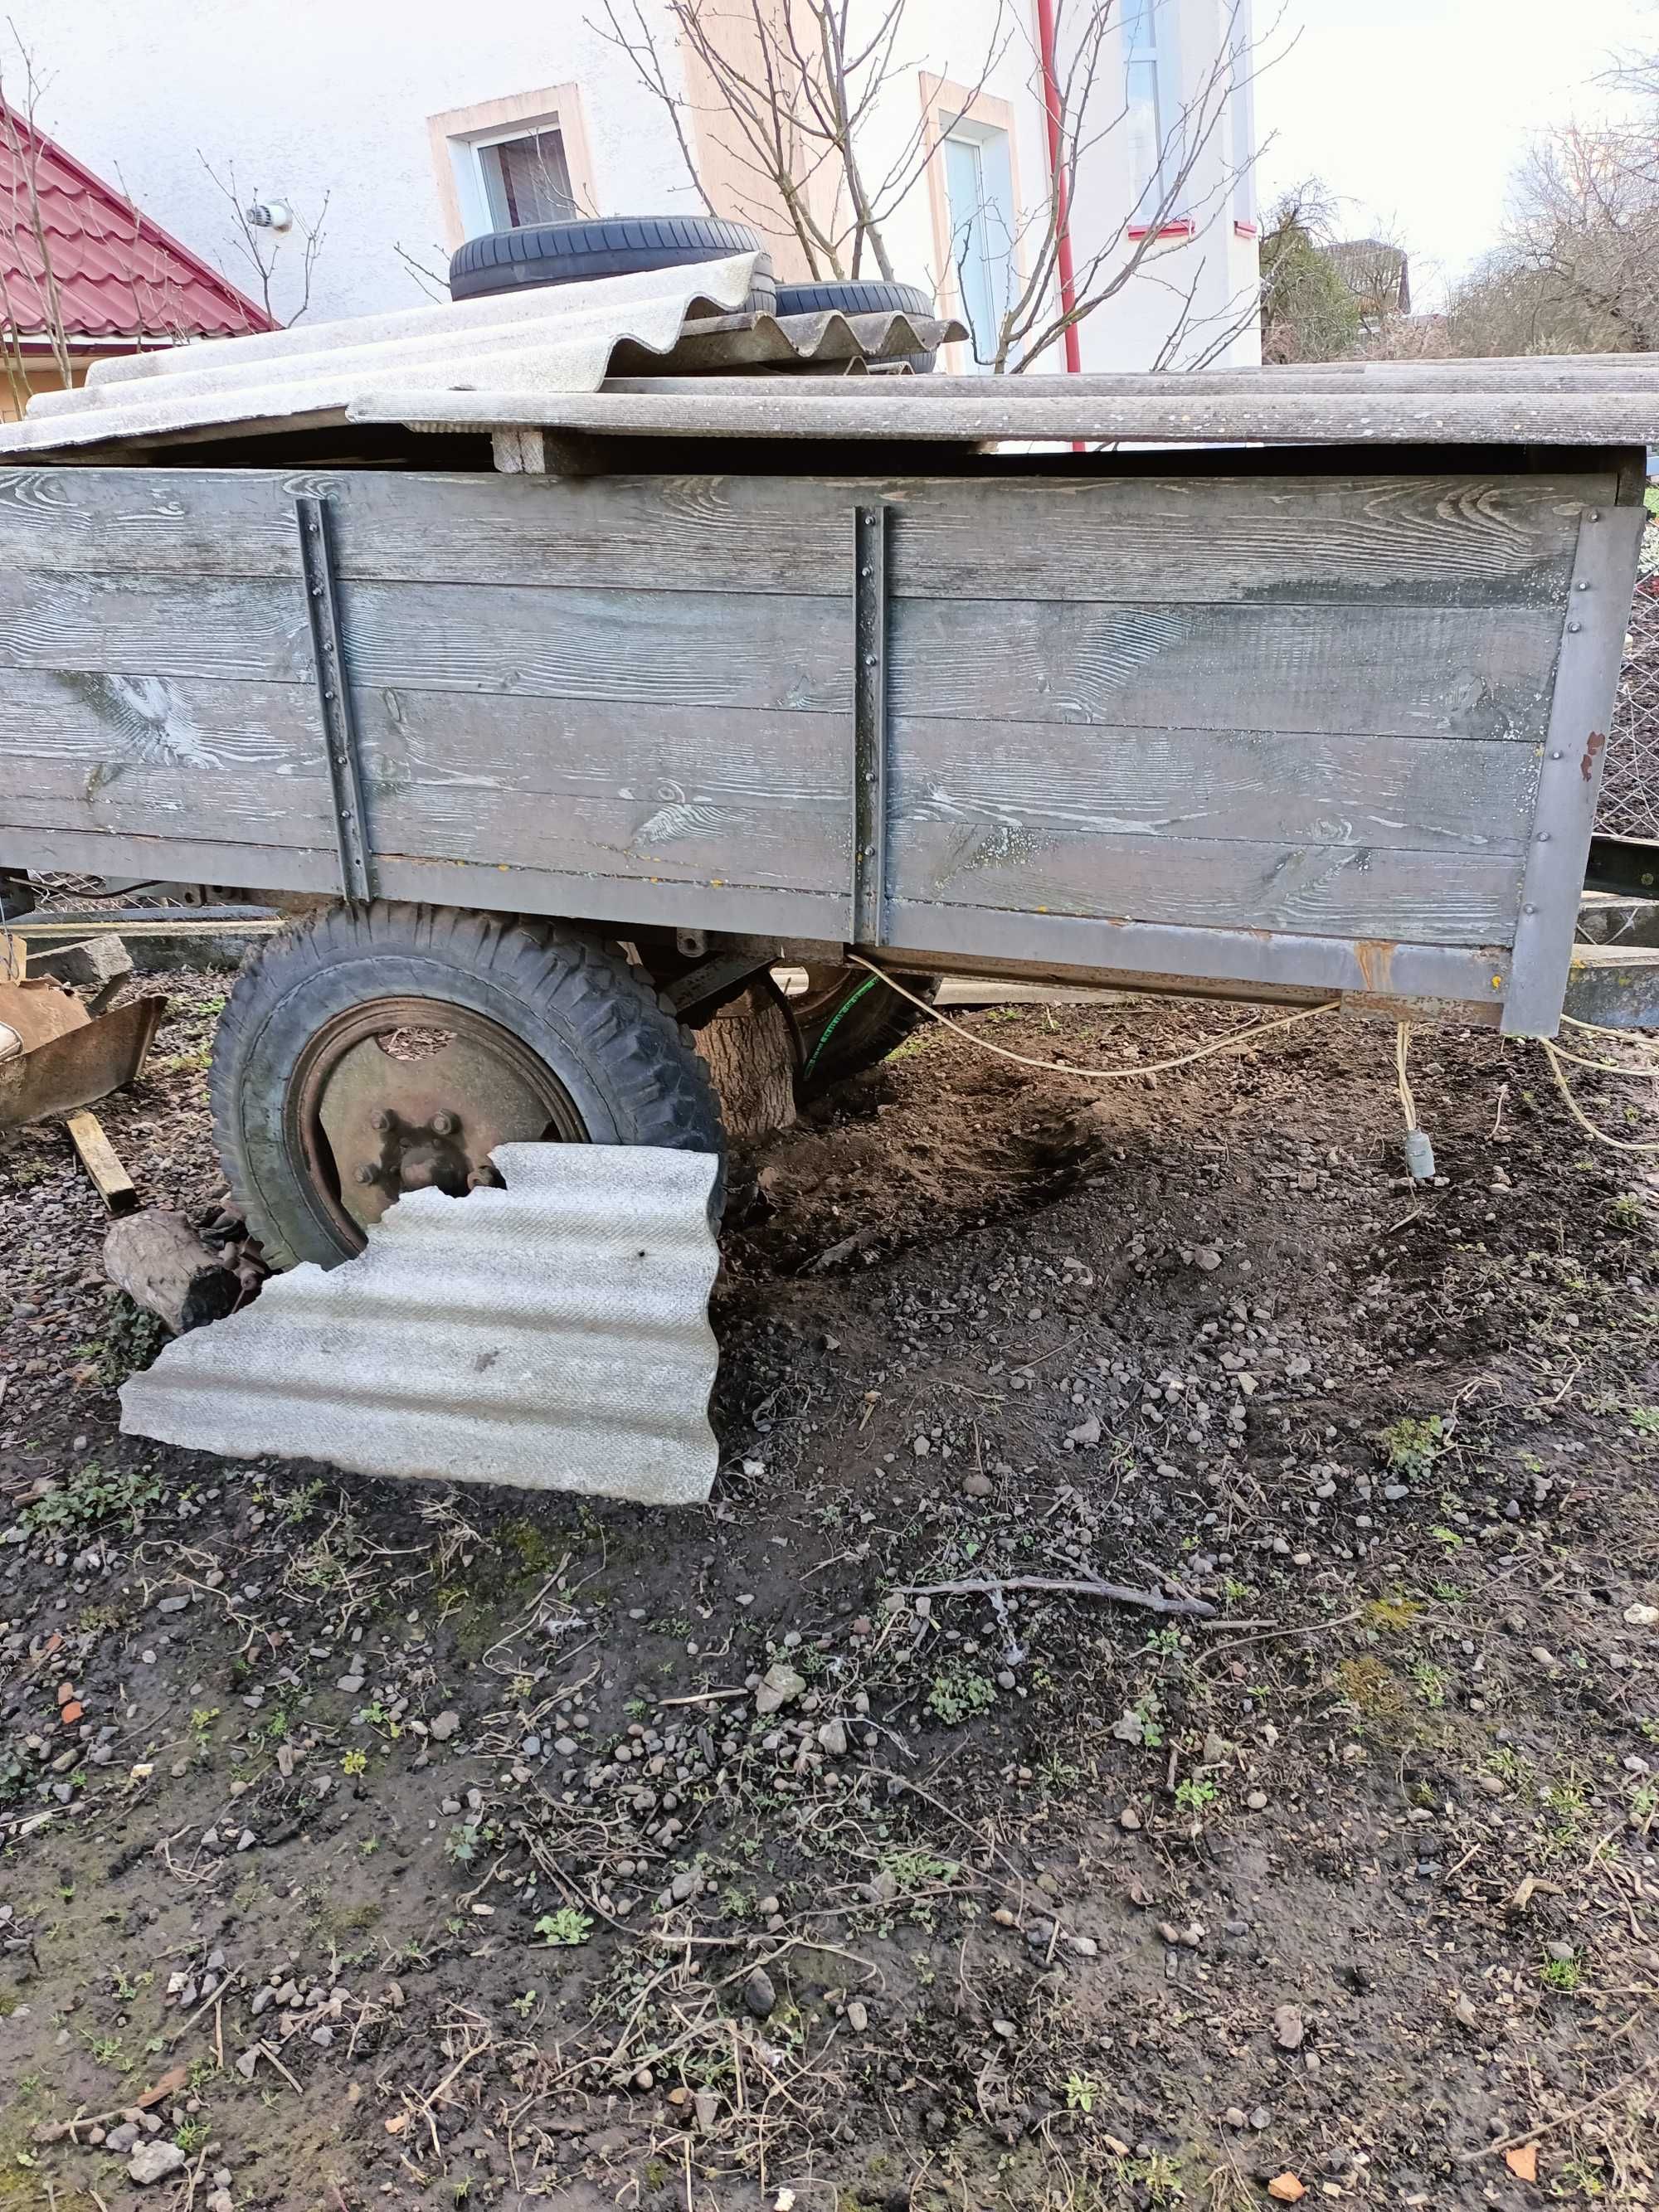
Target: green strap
836	1018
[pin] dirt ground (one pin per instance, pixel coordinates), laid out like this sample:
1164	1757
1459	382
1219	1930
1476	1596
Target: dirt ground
390	1846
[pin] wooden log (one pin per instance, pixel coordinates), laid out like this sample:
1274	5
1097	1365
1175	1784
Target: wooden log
163	1265
749	1046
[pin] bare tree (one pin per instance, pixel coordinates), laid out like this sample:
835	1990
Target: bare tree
1190	185
30	304
262	245
1577	268
792	84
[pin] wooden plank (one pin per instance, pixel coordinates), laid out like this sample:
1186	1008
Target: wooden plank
207	725
684	649
1433	795
102	1162
1422	541
562	748
1342	890
1361	671
1456	538
619	898
806	848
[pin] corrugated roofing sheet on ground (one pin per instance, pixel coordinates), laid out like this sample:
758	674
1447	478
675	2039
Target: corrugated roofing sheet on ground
553	1335
115	273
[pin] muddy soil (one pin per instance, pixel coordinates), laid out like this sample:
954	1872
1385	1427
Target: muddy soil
367	1845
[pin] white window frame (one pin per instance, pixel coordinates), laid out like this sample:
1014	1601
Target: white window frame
1241	119
1150	43
979	136
472	187
458	136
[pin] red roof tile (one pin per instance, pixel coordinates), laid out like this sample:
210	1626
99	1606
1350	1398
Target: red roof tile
117	274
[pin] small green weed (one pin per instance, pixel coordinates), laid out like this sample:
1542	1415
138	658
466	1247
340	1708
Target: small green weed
958	1691
90	1496
566	1926
1410	1448
1081	2090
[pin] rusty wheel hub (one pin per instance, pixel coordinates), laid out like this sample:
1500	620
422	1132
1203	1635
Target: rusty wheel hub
414	1094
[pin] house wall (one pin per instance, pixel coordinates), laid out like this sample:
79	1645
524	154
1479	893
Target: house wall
325	100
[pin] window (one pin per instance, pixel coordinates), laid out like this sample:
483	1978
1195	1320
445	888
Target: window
526	180
1148	79
979	190
504	164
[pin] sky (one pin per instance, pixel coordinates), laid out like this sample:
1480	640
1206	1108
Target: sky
1416	111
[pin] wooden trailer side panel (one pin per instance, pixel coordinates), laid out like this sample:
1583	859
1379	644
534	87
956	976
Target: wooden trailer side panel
1120	721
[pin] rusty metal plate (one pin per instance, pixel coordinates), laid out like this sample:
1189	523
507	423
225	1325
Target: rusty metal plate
84	1062
36	1012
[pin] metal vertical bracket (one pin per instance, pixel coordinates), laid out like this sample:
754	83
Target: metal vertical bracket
869	917
334	694
1570	773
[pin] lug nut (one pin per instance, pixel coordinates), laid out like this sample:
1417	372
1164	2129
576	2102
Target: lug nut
379	1119
445	1124
366	1175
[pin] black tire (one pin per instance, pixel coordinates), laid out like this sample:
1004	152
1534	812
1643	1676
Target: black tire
576	1003
850	1019
861	296
578	252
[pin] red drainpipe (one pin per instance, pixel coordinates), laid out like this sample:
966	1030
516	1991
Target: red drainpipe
1045	15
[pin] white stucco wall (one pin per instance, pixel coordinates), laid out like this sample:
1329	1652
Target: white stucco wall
332	97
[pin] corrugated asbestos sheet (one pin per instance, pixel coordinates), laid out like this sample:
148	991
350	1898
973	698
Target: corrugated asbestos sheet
1589	402
553	1335
544	338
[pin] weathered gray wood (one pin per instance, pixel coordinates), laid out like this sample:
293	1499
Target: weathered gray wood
1410	540
1453	671
1460	539
623	898
1347	891
559	747
1434	795
686	648
201	724
805	847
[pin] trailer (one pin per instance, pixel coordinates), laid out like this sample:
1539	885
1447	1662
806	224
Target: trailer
571	662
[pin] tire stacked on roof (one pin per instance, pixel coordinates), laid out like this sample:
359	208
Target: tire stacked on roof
861	295
624	245
617	245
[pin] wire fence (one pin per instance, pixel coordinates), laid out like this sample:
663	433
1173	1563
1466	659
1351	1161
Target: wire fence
1630	781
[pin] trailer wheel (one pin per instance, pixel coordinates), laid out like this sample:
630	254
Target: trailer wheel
848	1020
374	1050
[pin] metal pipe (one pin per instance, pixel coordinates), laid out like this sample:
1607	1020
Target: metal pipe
1045	15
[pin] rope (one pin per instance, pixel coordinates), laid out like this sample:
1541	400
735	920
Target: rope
1609	1066
1402	1040
1103	1074
1616	1144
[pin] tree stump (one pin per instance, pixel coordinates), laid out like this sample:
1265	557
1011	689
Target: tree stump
163	1265
750	1048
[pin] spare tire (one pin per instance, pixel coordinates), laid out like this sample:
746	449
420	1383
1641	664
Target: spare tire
617	245
861	296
